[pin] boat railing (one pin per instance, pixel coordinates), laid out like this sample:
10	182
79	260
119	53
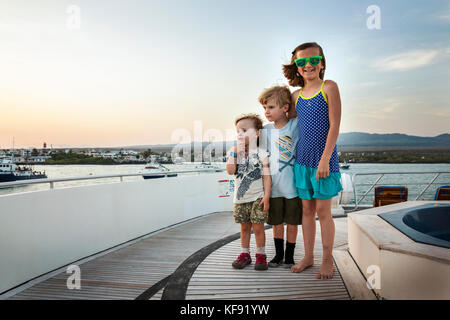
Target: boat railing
52	181
380	175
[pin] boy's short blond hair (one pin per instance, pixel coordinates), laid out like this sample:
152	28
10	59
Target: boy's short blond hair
282	96
257	121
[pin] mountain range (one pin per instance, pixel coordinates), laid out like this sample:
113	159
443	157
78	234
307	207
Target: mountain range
349	139
392	140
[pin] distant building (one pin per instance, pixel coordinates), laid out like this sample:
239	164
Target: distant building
44	149
39	159
109	155
131	158
129	152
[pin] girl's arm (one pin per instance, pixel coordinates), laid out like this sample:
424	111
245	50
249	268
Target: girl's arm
231	161
331	91
267	184
292	113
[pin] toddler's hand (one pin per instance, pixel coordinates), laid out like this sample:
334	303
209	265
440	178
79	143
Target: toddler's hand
265	203
241	145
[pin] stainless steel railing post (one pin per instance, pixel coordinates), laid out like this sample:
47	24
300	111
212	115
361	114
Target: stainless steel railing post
429	184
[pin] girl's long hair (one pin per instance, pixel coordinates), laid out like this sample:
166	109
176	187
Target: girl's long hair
290	71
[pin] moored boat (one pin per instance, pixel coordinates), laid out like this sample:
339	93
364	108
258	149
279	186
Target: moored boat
208	165
154	170
344	165
9	171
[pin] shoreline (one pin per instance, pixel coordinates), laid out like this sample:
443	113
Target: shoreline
84	163
166	162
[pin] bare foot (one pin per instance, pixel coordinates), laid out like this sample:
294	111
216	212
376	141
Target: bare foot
305	263
326	270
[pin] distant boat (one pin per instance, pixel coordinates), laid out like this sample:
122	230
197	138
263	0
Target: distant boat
344	165
152	169
9	171
208	165
179	160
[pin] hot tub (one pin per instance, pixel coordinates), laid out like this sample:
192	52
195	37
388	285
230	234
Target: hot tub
429	224
403	249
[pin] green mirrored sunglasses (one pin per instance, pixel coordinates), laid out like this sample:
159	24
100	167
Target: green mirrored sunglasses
314	61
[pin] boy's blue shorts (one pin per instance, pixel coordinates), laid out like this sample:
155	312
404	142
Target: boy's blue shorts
308	187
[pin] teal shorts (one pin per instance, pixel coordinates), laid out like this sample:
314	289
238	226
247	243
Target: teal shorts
308	187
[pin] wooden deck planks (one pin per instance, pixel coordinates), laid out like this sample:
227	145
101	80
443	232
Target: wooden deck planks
129	271
215	278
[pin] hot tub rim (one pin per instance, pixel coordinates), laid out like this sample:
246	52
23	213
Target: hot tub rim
395	219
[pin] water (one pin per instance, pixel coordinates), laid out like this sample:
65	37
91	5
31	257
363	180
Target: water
66	171
408	180
62	171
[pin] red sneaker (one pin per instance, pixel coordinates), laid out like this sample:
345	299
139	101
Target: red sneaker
261	262
243	260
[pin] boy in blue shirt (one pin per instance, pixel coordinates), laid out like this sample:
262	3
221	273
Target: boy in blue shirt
285	206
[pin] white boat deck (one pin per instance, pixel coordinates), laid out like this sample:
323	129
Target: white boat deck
193	261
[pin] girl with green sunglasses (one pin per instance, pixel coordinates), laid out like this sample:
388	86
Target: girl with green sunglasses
314	61
317	106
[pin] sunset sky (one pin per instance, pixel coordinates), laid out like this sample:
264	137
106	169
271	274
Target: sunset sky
119	73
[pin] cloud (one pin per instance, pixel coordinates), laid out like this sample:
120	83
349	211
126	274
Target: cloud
407	60
369	84
445	17
438	113
380	109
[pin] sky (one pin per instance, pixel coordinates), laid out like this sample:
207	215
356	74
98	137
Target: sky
108	73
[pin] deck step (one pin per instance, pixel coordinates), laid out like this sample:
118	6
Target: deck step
350	273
